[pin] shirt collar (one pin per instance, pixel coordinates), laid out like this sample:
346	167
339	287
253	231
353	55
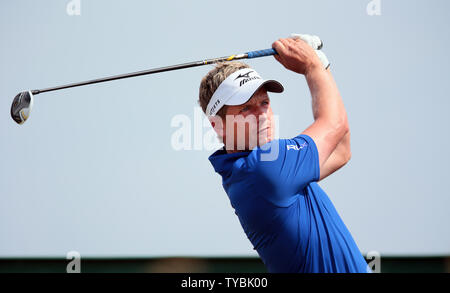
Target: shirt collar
223	161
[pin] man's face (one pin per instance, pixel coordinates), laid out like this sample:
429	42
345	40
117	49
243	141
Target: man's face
250	124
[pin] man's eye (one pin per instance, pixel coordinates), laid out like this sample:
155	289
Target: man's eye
244	109
265	103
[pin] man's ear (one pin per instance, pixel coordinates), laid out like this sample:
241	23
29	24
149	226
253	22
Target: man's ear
217	124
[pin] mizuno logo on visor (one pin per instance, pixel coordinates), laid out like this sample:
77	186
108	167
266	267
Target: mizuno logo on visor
243	75
246	78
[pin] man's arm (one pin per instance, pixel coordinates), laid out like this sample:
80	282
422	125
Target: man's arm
340	156
330	118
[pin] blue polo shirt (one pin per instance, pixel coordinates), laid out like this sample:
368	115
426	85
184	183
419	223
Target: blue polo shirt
287	217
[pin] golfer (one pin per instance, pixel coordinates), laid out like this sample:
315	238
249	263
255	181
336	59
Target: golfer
272	184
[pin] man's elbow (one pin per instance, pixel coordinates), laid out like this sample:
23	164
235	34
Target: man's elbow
347	156
344	158
347	150
341	127
345	128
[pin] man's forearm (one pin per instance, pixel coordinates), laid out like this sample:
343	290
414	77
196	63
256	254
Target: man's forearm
327	103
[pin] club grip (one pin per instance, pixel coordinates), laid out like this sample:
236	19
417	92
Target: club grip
261	53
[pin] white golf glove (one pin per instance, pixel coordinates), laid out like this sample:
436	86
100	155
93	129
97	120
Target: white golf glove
316	43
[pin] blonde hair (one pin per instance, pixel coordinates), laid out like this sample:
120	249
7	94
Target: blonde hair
213	79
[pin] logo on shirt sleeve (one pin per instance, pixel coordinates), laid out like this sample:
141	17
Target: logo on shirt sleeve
296	147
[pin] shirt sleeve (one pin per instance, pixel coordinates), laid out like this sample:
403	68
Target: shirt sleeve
280	177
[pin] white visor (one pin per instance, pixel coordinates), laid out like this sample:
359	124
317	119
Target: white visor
238	88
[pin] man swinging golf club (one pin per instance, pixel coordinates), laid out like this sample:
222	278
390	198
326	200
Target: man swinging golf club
272	183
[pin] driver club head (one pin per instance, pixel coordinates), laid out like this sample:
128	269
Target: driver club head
21	107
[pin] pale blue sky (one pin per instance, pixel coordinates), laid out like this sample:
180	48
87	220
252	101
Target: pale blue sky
93	169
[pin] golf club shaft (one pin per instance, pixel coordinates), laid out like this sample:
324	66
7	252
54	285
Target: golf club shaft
248	55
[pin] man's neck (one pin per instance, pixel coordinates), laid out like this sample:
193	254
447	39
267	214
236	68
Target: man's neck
236	150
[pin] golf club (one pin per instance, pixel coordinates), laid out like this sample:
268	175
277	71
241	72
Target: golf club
23	102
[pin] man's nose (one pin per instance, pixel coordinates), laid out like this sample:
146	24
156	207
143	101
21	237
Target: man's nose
260	114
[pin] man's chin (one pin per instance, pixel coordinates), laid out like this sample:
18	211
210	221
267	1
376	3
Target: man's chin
264	139
263	142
